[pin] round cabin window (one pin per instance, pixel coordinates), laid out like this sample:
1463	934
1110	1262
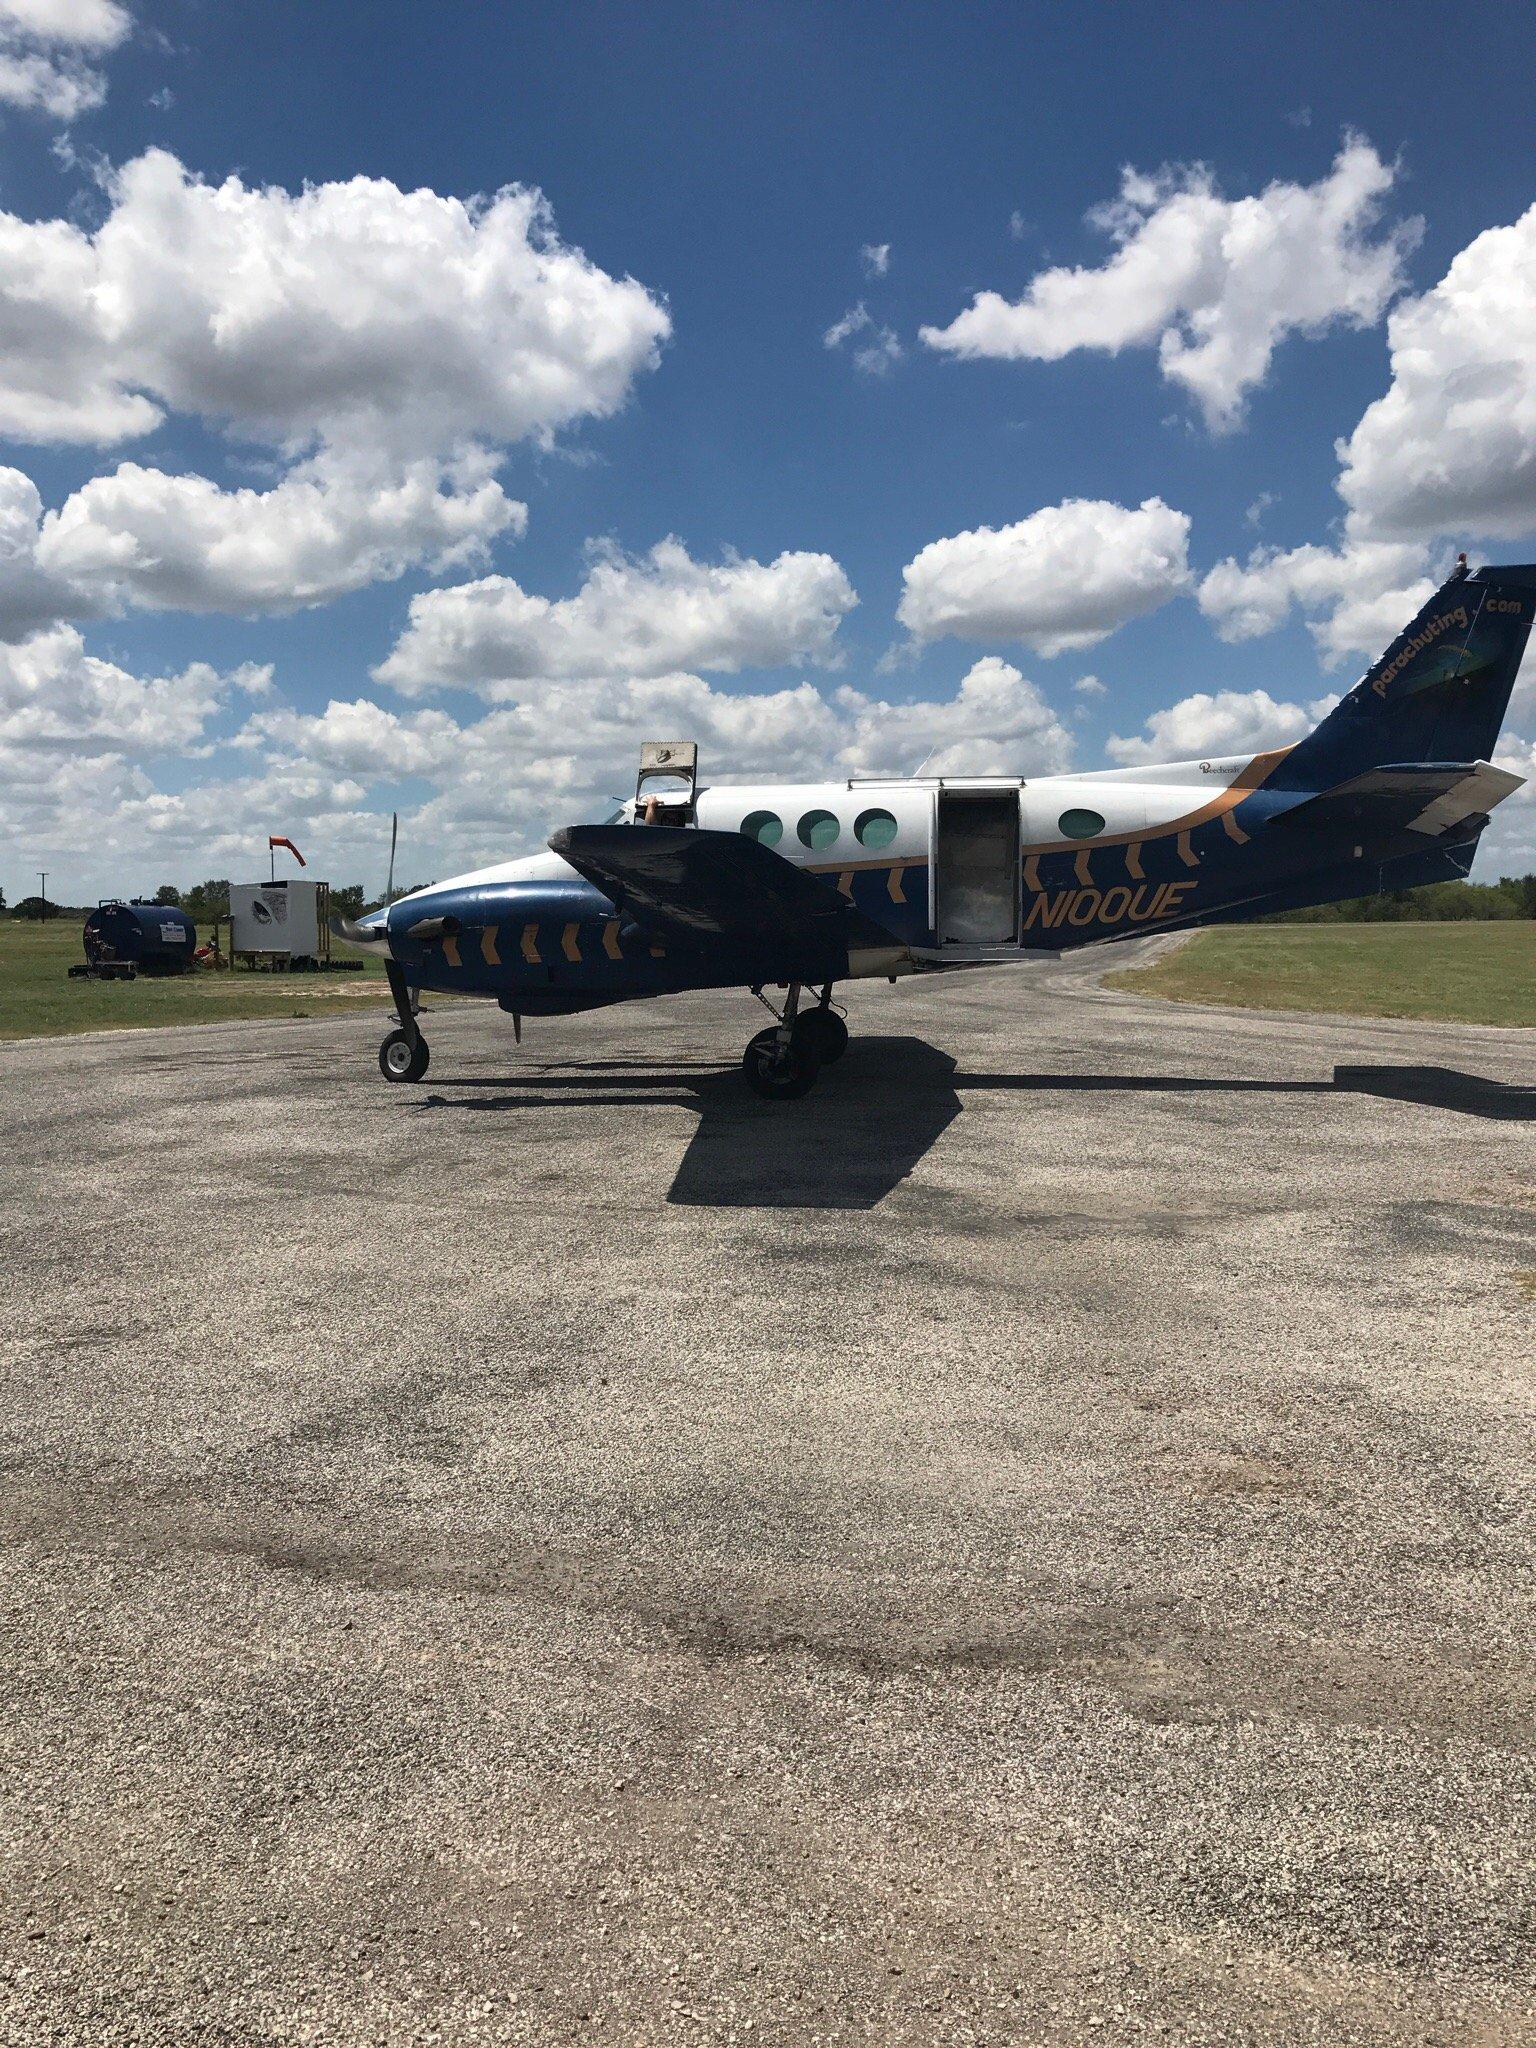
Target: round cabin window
818	829
874	829
763	826
1080	824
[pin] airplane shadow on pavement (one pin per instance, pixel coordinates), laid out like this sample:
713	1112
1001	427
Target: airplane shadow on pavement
872	1118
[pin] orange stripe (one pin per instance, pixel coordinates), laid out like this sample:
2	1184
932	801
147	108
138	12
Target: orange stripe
845	882
893	887
611	939
451	950
570	946
1133	862
1032	874
488	950
1187	853
1234	830
1083	871
1258	771
531	944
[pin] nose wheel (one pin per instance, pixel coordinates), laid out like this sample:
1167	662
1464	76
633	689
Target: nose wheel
404	1057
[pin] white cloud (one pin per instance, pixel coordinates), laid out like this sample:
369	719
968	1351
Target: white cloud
330	525
1063	578
1089	686
1451	446
495	786
42	68
54	694
351	313
1359	596
642	616
387	343
881	349
876	258
1226	722
1215	283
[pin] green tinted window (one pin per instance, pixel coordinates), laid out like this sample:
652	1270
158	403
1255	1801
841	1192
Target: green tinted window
818	829
764	827
874	829
1080	824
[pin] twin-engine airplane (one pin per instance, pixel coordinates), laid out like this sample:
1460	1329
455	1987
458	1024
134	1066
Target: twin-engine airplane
802	886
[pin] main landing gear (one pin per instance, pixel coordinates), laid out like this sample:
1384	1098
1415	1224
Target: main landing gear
404	1055
782	1062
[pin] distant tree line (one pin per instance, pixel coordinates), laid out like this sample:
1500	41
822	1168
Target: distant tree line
1514	896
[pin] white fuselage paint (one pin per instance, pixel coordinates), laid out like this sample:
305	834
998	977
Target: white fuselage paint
1128	800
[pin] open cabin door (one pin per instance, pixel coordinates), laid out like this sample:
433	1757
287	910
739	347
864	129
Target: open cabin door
977	855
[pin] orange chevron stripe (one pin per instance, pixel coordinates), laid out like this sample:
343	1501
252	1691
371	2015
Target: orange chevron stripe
611	939
488	950
1133	862
1187	853
570	945
1083	871
531	944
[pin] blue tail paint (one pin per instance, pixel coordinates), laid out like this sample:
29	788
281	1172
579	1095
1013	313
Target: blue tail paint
1440	691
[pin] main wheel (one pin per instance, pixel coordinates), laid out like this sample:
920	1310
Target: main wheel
824	1032
779	1072
400	1060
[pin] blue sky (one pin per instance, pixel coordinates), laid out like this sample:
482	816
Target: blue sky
736	163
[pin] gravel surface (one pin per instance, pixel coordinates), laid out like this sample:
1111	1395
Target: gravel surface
1032	1543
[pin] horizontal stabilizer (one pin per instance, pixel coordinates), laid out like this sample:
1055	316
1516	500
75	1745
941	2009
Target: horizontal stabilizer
1434	798
696	887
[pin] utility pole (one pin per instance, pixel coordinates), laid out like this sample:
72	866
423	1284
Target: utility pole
43	878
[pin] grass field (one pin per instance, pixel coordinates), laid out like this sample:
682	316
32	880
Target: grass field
38	1000
1466	973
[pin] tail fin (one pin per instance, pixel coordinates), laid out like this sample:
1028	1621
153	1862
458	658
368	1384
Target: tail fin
1440	691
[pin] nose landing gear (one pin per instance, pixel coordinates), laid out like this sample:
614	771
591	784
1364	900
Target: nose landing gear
404	1055
782	1062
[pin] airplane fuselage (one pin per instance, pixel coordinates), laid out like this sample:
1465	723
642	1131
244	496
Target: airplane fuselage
957	871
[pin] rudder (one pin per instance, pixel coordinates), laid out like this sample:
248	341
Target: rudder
1440	691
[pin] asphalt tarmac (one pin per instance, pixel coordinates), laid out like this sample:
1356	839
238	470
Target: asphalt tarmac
1032	1543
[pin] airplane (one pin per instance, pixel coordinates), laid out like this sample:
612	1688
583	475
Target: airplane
801	886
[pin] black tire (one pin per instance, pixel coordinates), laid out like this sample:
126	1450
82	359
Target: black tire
399	1060
779	1073
825	1033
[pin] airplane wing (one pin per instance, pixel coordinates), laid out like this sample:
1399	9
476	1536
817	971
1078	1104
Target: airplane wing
694	886
1429	797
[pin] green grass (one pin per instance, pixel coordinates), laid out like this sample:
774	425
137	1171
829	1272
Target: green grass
38	1000
1465	973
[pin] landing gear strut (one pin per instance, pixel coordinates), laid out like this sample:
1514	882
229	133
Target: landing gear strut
404	1055
782	1062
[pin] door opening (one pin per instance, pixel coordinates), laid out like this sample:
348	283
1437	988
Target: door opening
978	863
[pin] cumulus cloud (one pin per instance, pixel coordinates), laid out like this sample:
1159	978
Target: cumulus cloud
45	46
1445	458
1451	446
1358	596
54	694
876	258
330	525
1220	722
879	348
1063	578
387	343
351	313
494	786
1216	284
644	615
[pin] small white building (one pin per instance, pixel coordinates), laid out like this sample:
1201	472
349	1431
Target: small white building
286	917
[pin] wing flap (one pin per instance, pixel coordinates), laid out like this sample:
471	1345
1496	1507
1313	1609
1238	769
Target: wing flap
1432	798
698	887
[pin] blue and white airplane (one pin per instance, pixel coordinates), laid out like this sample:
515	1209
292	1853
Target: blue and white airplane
800	886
